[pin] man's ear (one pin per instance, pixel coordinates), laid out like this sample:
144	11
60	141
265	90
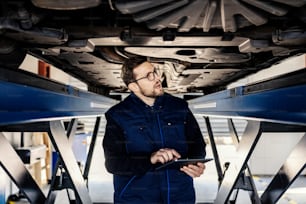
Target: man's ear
133	87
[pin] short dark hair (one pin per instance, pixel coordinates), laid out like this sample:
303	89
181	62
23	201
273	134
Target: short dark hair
128	66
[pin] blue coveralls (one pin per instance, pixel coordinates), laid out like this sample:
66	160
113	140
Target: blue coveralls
134	131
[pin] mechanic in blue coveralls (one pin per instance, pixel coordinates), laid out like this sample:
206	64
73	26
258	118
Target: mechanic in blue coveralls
148	128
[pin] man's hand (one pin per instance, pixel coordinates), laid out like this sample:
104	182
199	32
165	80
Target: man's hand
164	155
194	170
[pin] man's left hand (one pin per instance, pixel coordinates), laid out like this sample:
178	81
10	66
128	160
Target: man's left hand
194	170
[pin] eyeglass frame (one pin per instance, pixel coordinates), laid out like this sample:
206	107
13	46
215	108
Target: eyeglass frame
154	72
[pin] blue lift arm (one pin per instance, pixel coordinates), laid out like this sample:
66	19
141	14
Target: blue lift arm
282	105
21	103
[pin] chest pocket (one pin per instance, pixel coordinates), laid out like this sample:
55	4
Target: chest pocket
174	133
138	137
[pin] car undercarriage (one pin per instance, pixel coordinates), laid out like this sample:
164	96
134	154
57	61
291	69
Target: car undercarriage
199	46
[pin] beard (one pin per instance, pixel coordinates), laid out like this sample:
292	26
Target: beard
155	92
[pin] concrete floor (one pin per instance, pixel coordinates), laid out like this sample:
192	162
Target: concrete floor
101	192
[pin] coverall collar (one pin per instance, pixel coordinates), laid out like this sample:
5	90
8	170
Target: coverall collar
157	103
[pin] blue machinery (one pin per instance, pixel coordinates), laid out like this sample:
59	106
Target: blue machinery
34	104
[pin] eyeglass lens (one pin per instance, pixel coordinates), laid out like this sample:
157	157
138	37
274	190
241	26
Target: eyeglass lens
151	75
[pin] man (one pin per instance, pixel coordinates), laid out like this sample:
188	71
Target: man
146	129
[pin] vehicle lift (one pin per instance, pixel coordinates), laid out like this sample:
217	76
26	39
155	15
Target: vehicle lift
36	104
30	103
276	105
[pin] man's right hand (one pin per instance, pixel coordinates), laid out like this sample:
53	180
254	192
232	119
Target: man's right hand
164	155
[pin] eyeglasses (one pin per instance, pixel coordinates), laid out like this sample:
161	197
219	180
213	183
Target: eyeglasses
150	76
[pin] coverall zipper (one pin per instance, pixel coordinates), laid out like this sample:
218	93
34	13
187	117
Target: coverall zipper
163	145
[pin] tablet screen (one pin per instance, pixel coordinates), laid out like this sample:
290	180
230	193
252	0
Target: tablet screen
176	164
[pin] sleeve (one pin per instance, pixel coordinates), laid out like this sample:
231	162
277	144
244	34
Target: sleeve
196	144
117	160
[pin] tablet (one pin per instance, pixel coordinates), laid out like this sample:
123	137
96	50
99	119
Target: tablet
176	164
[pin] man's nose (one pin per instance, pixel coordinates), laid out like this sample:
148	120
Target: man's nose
157	77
